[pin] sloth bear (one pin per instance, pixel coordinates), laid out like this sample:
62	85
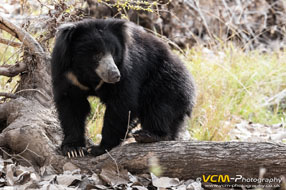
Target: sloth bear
130	70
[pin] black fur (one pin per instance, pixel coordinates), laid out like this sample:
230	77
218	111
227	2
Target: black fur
154	85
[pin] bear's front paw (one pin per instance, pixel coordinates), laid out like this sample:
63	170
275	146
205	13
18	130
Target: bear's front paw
72	151
96	150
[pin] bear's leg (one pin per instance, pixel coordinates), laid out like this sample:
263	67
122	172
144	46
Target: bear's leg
113	131
159	125
73	110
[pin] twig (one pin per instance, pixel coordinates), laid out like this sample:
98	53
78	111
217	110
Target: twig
22	35
24	149
167	40
8	95
117	168
196	6
10	43
43	5
35	153
16	53
16	155
13	70
27	149
115	162
128	125
11	32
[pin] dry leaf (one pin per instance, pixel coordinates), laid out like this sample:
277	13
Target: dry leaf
67	180
10	174
56	187
164	182
113	178
95	178
69	167
101	187
139	187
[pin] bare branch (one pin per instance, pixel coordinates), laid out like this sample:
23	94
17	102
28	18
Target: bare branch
8	95
13	70
22	35
3	27
15	156
10	43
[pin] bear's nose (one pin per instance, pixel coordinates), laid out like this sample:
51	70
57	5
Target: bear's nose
114	76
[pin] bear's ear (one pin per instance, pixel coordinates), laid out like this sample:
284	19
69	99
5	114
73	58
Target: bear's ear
66	26
61	56
122	29
66	30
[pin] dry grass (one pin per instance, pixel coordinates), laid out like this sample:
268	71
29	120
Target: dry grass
234	84
95	120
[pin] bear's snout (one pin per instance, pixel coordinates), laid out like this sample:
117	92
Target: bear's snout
107	70
114	76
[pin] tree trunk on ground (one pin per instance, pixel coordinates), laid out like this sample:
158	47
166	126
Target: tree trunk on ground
33	137
30	133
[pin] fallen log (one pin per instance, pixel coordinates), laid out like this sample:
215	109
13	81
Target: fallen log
36	136
198	160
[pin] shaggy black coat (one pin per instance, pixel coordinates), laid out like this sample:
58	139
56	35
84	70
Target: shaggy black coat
154	84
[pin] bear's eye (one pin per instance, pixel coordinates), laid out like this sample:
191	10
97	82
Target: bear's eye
97	56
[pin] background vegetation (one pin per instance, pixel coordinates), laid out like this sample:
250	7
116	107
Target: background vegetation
234	49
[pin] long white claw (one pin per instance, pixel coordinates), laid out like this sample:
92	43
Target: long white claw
75	152
69	155
82	152
79	152
72	153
